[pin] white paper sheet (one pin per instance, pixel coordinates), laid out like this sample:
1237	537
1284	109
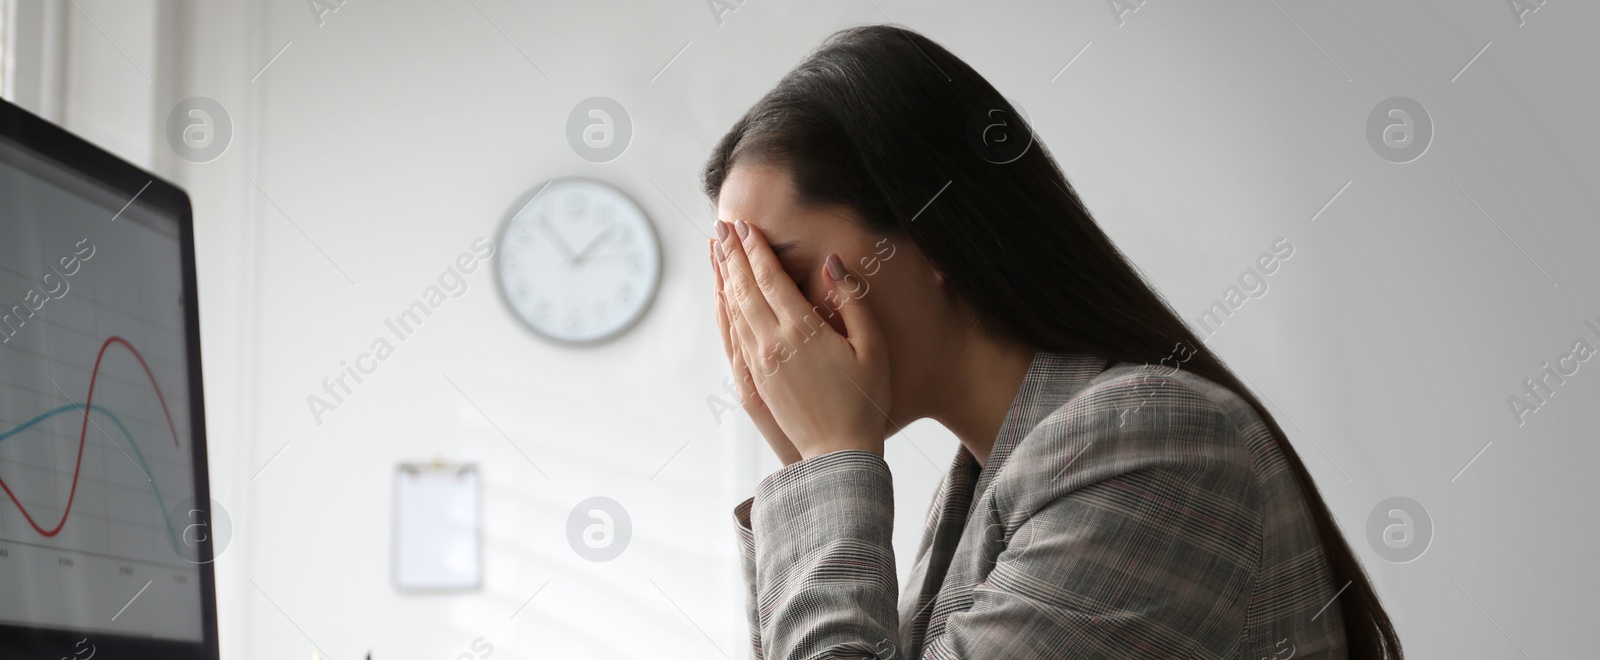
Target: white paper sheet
436	535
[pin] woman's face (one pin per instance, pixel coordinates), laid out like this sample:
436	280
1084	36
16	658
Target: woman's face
896	282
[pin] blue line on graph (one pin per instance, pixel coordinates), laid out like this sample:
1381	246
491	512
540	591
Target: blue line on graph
171	535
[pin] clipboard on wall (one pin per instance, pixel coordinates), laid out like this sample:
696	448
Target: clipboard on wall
437	545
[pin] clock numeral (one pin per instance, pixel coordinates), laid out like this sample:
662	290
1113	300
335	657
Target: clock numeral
577	206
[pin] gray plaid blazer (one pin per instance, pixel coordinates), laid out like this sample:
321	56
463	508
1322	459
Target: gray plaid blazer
1124	512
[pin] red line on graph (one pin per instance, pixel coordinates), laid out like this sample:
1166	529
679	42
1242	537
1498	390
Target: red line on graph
83	433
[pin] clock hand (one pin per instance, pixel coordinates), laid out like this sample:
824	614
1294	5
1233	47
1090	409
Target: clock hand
609	254
595	241
555	237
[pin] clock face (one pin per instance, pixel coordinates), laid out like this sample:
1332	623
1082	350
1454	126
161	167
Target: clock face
579	262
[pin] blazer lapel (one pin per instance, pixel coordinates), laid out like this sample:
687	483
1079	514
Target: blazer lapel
1051	379
942	533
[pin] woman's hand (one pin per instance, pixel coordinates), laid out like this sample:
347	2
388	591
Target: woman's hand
825	391
749	399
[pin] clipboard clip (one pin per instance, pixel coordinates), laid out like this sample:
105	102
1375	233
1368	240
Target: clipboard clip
438	464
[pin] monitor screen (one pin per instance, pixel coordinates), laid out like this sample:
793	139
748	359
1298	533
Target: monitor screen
103	520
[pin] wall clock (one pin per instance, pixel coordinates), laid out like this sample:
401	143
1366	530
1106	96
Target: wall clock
580	261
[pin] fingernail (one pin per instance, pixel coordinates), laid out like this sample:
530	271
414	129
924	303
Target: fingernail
722	229
742	228
720	256
835	267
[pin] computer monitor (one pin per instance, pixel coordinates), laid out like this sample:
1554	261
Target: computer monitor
107	530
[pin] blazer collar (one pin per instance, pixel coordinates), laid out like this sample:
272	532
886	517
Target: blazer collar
1051	380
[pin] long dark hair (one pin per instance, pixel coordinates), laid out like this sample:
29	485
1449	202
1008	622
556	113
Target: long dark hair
882	120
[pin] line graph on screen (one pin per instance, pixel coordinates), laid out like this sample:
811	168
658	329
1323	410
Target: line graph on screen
44	525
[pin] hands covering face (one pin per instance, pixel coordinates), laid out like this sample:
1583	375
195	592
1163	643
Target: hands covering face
809	389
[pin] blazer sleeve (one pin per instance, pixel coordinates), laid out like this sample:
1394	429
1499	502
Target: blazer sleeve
820	570
1127	536
747	568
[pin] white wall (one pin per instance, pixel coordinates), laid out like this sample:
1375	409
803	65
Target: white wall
395	133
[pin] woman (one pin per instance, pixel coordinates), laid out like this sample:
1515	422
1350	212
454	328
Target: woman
893	247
